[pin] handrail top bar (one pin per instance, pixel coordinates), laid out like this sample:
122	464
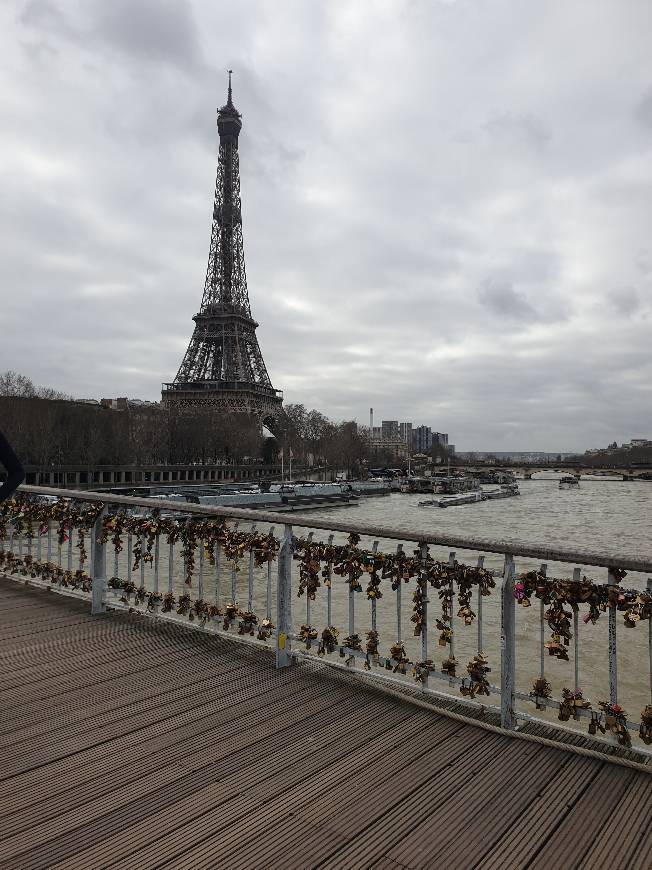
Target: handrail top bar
512	548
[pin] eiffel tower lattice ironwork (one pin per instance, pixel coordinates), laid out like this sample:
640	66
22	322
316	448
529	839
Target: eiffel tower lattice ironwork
223	366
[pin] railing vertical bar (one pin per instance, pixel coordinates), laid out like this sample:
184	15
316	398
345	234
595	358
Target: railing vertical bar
284	601
308	601
116	564
613	650
234	575
351	659
399	549
577	576
171	568
451	589
218	574
91	551
71	532
39	545
250	587
20	543
649	639
542	644
130	549
480	608
157	561
98	589
270	560
423	583
200	578
329	591
49	547
508	646
374	549
142	561
234	583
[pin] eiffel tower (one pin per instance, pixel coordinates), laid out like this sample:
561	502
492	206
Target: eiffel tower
223	367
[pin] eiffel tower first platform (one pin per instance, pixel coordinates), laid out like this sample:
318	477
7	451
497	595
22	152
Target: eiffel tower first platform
223	368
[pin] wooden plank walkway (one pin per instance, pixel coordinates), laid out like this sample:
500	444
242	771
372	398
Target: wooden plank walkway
129	743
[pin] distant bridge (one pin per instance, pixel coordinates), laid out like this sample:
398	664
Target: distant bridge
640	473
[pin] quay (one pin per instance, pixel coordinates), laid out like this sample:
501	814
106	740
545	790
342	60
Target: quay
128	743
87	477
161	706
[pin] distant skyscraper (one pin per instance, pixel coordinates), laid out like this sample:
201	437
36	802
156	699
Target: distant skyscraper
422	439
389	429
405	432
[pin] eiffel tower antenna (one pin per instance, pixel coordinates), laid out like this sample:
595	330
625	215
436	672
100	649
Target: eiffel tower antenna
223	366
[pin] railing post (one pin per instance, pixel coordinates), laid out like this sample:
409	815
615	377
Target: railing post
613	654
422	580
284	602
508	646
98	589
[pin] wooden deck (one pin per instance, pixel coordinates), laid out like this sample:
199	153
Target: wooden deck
129	744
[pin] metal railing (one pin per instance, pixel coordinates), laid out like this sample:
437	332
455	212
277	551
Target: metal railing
233	557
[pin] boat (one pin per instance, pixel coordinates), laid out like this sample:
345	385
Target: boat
454	485
569	482
506	490
416	484
454	500
284	496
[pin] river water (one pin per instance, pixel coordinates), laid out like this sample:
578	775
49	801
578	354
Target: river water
602	515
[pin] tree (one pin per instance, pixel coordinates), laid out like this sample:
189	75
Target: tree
14	384
346	449
317	429
294	433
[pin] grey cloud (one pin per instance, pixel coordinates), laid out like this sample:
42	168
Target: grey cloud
161	31
158	30
643	110
520	130
501	299
45	16
625	301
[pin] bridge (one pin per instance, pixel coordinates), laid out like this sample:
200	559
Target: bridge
528	471
176	693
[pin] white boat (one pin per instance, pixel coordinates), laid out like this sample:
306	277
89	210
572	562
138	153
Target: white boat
454	500
373	486
506	490
569	483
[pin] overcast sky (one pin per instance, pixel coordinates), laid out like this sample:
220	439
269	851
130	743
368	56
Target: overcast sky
447	206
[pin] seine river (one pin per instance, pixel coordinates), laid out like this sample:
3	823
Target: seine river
602	515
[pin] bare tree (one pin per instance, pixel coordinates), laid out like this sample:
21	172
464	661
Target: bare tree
14	384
